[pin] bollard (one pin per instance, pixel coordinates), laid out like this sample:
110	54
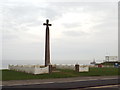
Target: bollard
50	68
77	67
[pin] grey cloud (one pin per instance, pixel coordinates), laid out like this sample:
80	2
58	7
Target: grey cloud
8	37
51	13
86	6
71	25
74	33
108	23
21	14
28	14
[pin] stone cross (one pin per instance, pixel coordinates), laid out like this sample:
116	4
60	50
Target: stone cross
47	43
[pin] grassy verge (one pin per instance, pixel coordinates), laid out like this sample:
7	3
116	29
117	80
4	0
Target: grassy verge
13	75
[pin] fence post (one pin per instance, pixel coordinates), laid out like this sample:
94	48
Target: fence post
77	67
50	68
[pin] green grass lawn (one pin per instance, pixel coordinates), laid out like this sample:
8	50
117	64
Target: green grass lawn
13	75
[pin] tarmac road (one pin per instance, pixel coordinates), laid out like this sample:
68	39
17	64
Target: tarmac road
95	84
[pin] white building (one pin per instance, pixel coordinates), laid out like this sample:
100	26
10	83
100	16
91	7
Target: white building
111	58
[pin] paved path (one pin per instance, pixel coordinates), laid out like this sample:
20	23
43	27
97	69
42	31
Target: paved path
57	80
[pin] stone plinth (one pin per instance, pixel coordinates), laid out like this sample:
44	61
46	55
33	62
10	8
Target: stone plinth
33	69
78	68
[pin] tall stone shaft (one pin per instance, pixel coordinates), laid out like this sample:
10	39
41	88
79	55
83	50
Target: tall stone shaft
47	43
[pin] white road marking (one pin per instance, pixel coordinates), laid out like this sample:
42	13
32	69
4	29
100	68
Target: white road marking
80	80
29	84
96	79
105	86
86	80
109	78
47	82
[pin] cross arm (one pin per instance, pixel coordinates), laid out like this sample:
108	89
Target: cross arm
47	24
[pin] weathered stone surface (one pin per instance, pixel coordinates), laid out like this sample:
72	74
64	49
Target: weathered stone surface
47	43
33	69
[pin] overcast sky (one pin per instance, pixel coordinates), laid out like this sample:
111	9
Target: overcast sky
80	31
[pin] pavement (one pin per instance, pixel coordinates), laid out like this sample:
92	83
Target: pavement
57	80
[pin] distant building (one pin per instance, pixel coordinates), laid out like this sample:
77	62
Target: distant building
111	58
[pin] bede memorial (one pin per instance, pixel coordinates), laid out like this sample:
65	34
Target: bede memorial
47	68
